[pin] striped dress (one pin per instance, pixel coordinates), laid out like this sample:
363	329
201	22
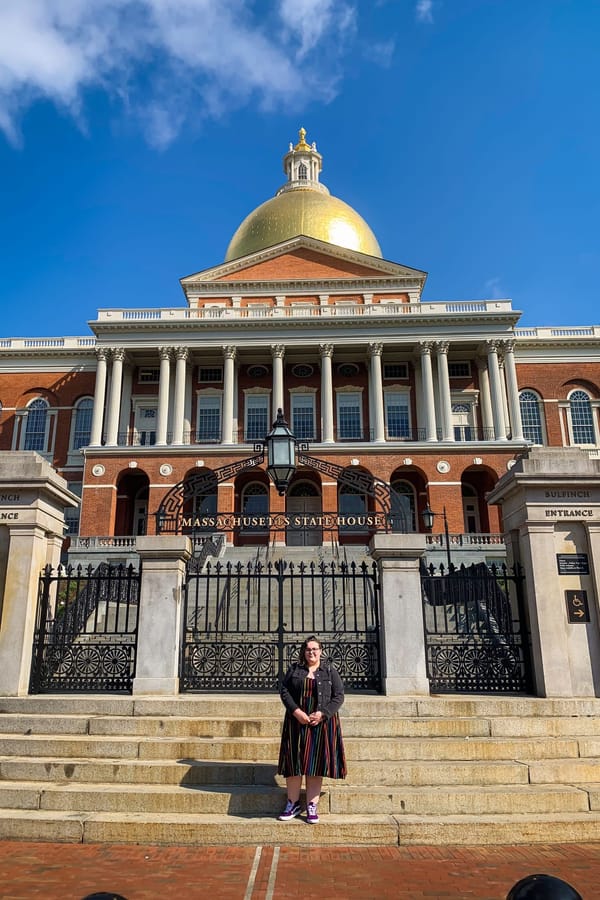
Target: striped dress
311	749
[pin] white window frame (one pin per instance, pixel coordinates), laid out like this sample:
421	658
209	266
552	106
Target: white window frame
594	418
45	450
540	409
255	400
470	401
139	404
75	452
390	392
209	400
341	400
303	400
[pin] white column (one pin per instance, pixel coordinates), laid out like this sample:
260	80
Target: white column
99	397
124	418
424	349
277	351
496	391
229	356
487	419
441	349
181	356
376	384
163	395
114	403
326	352
512	388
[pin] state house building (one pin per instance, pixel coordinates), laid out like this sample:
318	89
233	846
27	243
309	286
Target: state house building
433	399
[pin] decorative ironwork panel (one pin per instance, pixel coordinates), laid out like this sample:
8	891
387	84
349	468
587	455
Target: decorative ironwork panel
86	630
244	625
475	635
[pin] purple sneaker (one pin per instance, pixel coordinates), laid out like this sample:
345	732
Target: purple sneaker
312	815
290	812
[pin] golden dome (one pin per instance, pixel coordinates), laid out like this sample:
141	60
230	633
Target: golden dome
303	206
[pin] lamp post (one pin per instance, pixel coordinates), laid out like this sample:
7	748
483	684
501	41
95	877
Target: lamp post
280	445
428	517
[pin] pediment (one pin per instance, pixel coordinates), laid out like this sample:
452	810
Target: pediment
303	259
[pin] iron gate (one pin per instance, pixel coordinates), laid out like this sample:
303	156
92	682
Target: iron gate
476	638
86	630
244	624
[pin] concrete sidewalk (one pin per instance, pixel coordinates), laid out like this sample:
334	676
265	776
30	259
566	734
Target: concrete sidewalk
70	871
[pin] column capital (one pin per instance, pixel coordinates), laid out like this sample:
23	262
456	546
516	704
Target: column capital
229	351
508	346
165	352
182	353
277	351
102	353
442	347
424	348
374	349
326	350
492	346
119	353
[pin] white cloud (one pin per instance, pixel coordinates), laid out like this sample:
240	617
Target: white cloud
493	289
424	11
168	60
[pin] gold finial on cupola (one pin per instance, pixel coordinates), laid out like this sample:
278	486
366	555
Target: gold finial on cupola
302	145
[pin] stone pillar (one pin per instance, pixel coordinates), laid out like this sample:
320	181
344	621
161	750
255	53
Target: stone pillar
496	391
278	352
163	395
512	388
376	383
441	349
424	349
114	403
326	351
181	356
34	498
99	397
487	418
229	355
125	416
403	636
160	626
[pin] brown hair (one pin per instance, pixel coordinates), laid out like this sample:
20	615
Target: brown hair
305	643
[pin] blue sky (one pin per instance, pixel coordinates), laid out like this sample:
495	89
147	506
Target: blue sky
135	135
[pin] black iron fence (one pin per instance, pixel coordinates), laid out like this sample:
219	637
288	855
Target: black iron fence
476	636
86	629
244	624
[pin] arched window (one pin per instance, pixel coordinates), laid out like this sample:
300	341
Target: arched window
36	426
83	423
302	172
531	417
403	507
255	502
582	418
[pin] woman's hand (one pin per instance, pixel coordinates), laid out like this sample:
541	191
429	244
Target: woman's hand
301	716
315	718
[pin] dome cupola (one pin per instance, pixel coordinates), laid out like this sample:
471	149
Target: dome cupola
303	206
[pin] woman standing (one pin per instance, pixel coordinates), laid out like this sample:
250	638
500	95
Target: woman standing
311	740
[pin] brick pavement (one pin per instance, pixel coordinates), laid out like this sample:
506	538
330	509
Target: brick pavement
70	871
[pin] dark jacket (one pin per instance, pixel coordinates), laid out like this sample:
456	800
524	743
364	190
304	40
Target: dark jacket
330	690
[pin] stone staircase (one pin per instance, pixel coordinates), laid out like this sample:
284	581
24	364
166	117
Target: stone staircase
202	770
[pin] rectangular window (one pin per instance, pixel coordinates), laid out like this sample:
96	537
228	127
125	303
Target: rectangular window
257	416
148	376
208	428
349	417
213	375
395	371
303	416
146	425
459	369
397	417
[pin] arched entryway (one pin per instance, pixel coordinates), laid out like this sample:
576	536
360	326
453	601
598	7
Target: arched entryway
252	502
199	501
304	505
131	514
475	484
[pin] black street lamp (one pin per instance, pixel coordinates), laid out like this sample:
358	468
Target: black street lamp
280	444
428	516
